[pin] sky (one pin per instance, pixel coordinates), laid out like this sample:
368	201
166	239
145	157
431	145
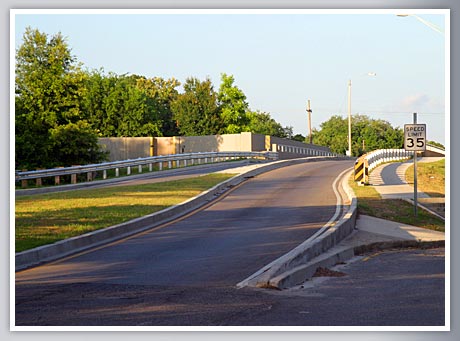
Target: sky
279	59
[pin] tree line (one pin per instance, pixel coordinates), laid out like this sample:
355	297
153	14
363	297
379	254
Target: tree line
61	109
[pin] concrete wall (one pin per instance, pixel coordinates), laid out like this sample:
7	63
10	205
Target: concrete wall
123	148
209	143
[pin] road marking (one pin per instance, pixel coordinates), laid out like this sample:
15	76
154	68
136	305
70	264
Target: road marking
326	226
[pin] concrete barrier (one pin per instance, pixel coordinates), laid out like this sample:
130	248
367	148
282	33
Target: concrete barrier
289	270
67	247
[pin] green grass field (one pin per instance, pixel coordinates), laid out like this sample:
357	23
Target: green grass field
430	177
47	218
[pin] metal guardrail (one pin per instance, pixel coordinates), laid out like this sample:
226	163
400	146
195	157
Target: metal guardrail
169	161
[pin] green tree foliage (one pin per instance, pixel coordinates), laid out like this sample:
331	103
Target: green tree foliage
233	106
262	123
75	144
371	133
61	109
299	138
49	90
160	94
436	144
120	106
196	111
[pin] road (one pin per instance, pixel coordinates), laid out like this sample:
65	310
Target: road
184	274
214	248
391	288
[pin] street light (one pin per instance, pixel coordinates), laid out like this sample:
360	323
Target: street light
349	153
423	21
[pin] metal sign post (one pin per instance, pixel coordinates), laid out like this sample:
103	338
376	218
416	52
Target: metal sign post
415	140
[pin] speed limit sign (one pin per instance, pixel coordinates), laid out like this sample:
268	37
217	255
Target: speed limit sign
415	137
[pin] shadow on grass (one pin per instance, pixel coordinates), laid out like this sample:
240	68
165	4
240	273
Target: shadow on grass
400	211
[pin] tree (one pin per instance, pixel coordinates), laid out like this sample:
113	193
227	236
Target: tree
160	94
371	133
262	123
76	144
233	106
49	89
133	106
299	138
196	111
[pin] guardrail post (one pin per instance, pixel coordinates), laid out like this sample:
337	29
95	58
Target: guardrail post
89	176
104	174
24	183
73	178
38	181
139	168
117	172
169	164
57	180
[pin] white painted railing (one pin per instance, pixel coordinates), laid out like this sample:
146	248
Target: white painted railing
380	156
302	151
166	161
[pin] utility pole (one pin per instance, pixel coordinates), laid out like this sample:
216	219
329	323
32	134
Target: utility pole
309	121
349	118
415	173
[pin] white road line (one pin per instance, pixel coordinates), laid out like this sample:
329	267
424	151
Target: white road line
330	223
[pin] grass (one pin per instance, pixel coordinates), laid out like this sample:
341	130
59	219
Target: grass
430	177
48	218
370	203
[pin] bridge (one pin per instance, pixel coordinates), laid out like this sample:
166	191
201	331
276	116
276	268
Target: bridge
272	225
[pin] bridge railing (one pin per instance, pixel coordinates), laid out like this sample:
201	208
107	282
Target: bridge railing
380	156
163	161
369	161
300	151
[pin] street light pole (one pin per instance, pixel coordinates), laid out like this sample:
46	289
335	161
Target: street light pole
349	118
423	21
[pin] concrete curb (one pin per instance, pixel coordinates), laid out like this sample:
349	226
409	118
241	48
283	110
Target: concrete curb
305	272
271	276
67	247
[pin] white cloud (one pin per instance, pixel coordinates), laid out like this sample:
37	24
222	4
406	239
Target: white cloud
421	103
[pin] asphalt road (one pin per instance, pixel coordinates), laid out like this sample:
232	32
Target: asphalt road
198	257
391	288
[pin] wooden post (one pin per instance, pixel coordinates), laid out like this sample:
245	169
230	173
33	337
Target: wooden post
24	183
